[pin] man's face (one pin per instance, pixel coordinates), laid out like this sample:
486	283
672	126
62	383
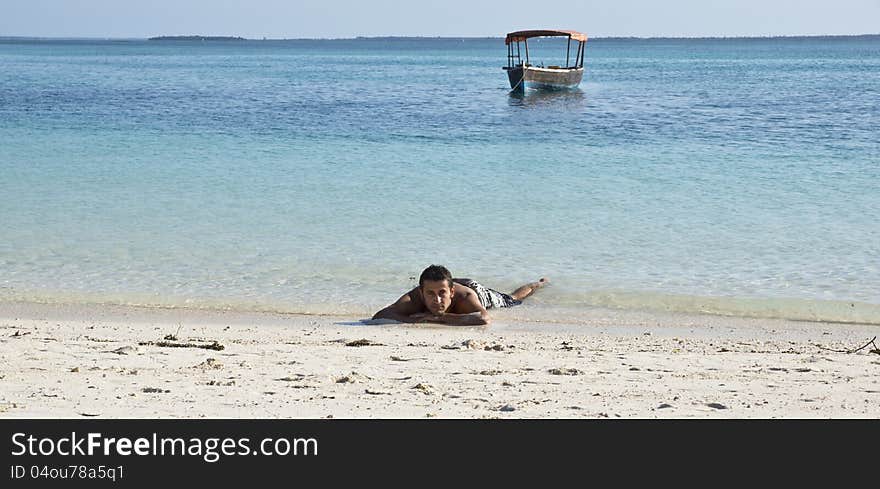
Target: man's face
437	295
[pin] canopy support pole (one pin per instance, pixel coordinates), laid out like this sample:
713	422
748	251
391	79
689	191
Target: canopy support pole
568	51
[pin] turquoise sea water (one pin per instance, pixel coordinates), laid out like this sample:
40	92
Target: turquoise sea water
732	176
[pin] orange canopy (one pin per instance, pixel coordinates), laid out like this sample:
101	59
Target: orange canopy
523	35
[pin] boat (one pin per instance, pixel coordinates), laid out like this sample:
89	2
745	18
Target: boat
522	74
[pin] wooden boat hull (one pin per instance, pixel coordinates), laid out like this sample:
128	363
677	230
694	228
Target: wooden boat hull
544	78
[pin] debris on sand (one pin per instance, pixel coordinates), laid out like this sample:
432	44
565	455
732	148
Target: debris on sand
363	342
151	390
123	350
424	389
505	408
377	393
209	364
220	383
303	381
294	378
216	346
565	371
715	405
490	372
352	378
473	345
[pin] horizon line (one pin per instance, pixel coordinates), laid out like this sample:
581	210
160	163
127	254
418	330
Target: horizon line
234	38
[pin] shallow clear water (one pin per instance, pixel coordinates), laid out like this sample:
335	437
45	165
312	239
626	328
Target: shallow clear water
732	176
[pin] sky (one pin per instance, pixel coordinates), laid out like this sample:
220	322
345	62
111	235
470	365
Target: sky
286	19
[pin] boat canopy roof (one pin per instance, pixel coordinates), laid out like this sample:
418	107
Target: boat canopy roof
523	35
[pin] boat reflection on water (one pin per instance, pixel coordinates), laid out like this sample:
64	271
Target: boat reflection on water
530	98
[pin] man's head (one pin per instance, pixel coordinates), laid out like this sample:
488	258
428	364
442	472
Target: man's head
436	287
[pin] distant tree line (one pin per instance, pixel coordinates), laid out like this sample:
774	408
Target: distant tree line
196	38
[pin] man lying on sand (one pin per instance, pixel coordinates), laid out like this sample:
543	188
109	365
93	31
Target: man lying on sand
439	298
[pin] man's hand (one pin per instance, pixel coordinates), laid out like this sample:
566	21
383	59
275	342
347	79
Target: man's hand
472	319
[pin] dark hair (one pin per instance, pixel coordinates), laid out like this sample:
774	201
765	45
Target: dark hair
435	273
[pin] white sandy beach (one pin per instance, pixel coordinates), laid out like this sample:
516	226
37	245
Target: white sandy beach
103	361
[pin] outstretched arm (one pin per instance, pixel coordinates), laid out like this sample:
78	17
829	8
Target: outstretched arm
472	319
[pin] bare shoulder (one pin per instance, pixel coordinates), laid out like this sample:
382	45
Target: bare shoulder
409	303
466	300
463	290
414	296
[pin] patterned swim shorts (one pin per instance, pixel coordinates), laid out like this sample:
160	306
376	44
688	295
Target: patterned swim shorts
489	298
